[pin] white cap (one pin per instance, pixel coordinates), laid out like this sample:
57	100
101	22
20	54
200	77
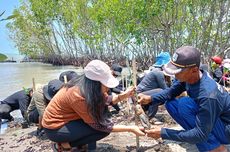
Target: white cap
227	65
99	71
226	61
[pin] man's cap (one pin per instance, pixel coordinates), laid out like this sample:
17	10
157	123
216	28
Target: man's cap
184	57
98	70
52	88
117	69
217	59
69	75
162	59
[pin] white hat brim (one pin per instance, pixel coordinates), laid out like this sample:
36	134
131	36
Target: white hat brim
110	82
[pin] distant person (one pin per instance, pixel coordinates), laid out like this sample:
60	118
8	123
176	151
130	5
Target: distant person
155	78
203	114
116	69
69	75
154	82
76	116
39	101
18	100
217	69
226	75
116	72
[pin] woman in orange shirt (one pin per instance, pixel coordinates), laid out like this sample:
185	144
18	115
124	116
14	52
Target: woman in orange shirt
75	116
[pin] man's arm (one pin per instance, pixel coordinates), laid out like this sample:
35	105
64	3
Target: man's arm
161	97
169	93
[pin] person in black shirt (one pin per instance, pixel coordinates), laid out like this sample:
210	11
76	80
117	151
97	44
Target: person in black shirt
18	100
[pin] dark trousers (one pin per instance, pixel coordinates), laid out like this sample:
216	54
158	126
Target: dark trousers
33	116
77	133
184	111
5	110
116	107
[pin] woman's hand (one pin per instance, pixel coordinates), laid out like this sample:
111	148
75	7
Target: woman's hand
144	99
139	131
124	95
129	91
154	133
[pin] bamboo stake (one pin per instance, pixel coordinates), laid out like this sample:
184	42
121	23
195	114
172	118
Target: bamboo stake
126	81
33	82
65	79
122	80
134	101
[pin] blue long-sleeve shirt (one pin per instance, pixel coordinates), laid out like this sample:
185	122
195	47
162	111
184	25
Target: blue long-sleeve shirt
153	80
213	102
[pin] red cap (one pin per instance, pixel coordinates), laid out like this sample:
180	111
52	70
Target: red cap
217	59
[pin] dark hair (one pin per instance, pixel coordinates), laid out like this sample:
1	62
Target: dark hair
91	91
69	75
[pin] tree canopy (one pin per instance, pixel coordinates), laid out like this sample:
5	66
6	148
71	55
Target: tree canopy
3	57
119	28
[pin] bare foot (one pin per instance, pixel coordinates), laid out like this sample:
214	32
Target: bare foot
66	145
221	148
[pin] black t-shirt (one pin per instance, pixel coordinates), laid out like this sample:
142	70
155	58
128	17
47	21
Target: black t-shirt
18	100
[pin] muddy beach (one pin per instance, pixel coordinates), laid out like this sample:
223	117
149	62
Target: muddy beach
17	139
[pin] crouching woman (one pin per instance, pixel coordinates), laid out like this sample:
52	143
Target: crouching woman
76	115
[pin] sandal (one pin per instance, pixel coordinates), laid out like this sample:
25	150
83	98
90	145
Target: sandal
82	148
57	147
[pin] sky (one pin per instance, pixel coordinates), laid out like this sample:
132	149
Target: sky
6	44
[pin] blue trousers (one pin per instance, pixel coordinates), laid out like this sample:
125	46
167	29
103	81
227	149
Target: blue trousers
184	111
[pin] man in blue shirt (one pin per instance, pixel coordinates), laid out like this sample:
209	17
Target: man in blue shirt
204	115
154	82
155	78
